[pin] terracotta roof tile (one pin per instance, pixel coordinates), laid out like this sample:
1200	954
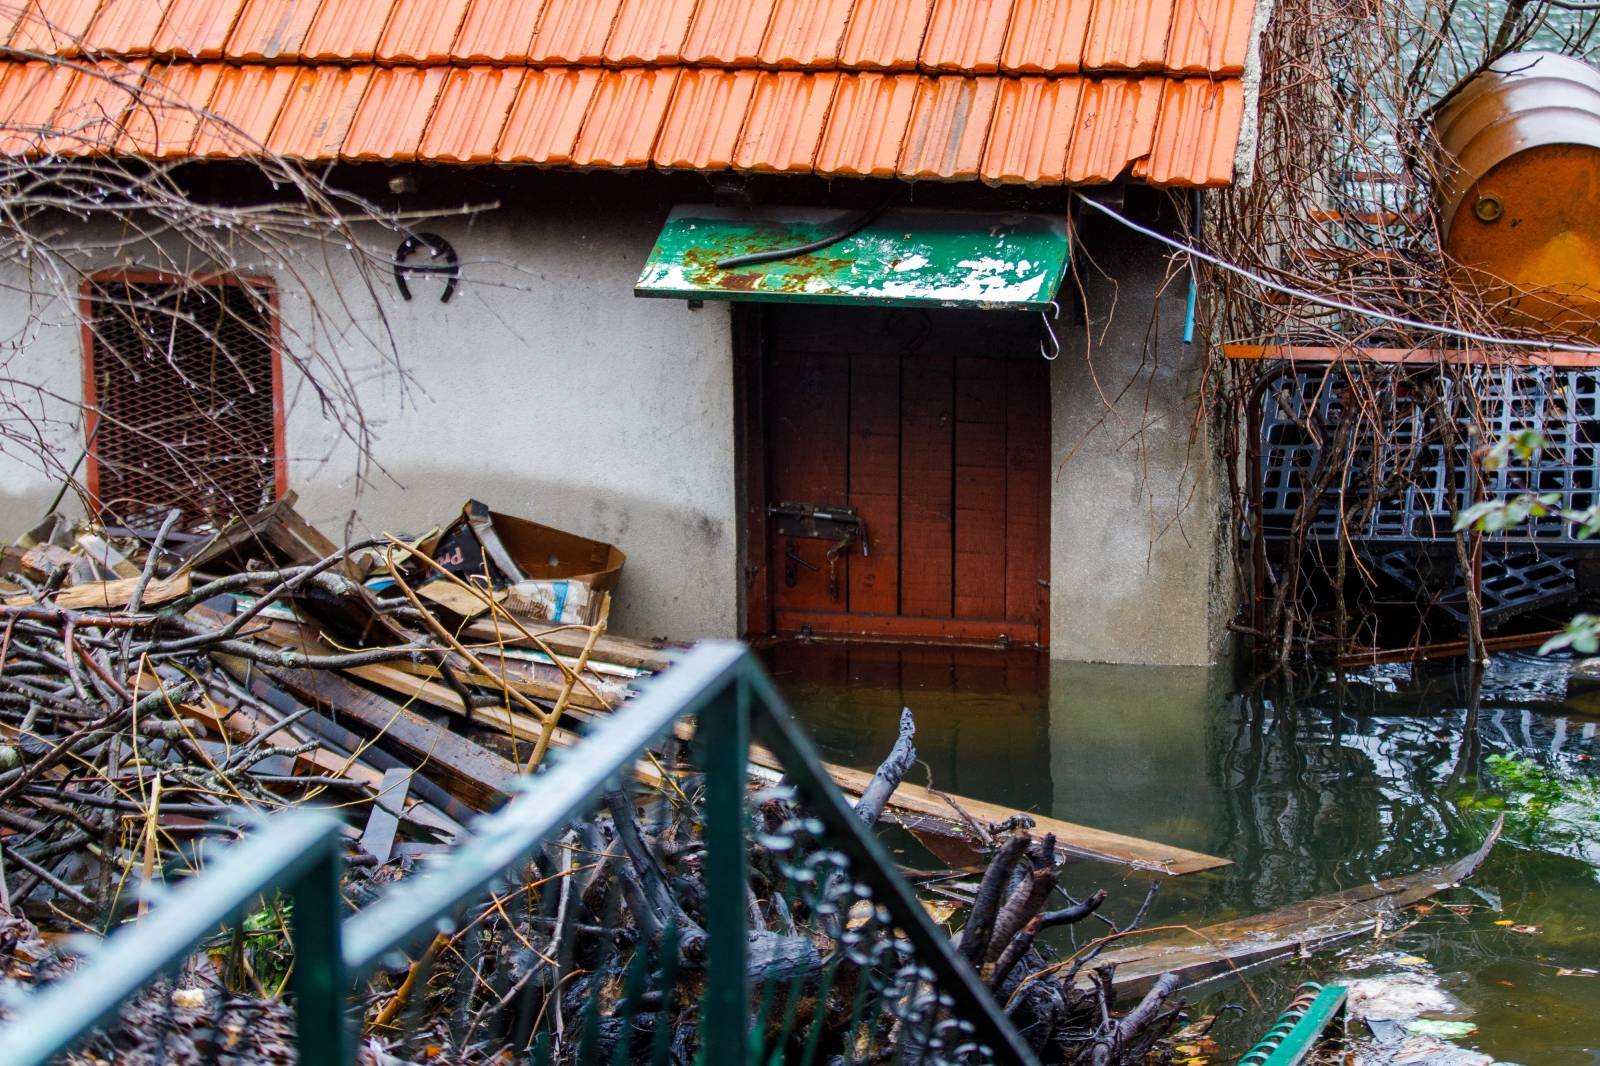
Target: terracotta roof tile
471	114
624	83
94	110
787	116
346	30
126	27
52	26
867	126
196	29
966	35
317	115
270	29
246	103
163	126
885	34
1047	36
1031	131
574	31
620	130
703	125
728	32
548	115
1210	36
1115	128
393	116
649	32
949	127
805	33
421	31
498	31
1128	35
29	95
1197	134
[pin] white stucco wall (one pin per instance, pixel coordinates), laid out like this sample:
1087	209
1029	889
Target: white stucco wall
1137	571
544	388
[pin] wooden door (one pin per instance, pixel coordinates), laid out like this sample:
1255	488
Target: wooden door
946	458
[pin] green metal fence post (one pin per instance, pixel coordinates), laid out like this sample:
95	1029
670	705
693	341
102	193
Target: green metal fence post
724	738
320	984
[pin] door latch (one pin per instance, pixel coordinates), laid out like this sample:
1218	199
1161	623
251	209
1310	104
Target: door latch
841	525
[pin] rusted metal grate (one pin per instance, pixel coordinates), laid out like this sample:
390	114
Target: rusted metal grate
180	379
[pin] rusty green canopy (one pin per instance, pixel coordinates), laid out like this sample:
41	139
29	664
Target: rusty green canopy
904	257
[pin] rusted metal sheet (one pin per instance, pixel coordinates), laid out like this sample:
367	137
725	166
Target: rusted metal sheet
907	257
1520	195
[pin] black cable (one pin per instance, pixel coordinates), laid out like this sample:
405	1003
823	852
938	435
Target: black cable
866	219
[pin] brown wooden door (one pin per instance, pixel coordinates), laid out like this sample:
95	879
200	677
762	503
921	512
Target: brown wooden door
946	458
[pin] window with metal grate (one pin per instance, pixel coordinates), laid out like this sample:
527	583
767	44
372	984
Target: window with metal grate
182	388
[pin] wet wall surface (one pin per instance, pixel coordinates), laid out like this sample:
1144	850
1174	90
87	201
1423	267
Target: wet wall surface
1309	787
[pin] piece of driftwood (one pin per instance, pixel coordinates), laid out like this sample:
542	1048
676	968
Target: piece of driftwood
1220	951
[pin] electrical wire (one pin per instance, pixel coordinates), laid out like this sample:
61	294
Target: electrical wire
1330	302
864	220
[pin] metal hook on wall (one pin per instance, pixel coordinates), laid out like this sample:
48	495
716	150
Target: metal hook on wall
1050	344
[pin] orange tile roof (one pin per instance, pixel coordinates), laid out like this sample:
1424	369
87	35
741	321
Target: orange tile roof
1035	92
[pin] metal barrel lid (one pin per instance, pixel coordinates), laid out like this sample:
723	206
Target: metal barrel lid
1523	101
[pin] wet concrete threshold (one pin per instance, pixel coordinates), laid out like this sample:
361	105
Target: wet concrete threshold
1311	787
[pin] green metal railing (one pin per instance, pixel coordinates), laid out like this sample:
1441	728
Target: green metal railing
785	930
1308	1022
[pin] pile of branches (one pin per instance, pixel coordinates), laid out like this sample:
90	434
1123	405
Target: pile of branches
151	717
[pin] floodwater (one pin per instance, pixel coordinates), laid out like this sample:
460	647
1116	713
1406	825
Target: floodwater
1345	780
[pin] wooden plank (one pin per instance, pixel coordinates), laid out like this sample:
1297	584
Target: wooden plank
377	839
471	772
874	457
927	453
242	726
809	440
752	334
106	594
568	641
902	627
1027	488
1076	841
980	488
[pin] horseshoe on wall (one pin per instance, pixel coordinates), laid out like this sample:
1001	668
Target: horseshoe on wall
437	248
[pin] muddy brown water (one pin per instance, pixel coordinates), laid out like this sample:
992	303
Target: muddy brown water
1333	782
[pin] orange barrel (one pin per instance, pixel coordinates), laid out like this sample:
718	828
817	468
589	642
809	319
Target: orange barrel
1519	192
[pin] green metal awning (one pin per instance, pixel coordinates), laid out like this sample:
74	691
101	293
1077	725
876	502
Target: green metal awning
905	257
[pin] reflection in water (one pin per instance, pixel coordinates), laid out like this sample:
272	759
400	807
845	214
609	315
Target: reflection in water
1309	787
